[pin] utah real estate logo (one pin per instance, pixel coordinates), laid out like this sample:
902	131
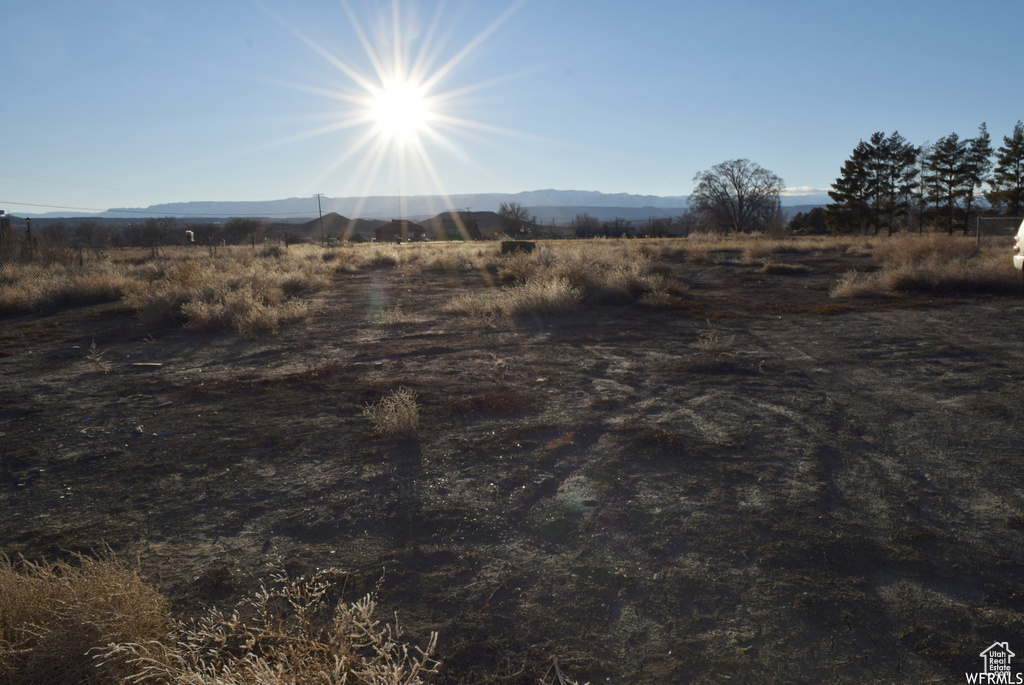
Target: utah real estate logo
996	666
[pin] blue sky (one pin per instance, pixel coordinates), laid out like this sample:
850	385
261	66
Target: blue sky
129	103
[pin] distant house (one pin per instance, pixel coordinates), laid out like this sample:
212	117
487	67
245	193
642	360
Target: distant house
400	230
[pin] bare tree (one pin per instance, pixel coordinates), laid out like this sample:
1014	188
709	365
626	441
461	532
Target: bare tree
513	217
738	196
584	220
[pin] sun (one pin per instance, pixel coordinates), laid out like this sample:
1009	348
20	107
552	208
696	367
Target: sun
400	110
397	104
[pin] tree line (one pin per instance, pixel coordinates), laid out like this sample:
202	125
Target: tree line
892	185
887	184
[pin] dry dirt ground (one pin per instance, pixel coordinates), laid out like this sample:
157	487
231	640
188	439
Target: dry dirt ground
762	484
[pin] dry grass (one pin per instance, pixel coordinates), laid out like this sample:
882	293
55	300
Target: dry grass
714	341
53	617
26	288
96	621
932	263
395	416
248	294
772	267
284	633
236	289
545	297
553	296
558	276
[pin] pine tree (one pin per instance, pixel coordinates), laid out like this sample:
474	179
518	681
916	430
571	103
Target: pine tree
850	208
897	179
875	184
1007	183
979	167
947	176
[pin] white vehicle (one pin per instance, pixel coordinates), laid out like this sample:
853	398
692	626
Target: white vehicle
1018	244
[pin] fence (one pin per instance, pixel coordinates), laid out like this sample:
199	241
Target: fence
17	248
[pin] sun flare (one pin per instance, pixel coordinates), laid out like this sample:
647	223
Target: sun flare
399	102
400	110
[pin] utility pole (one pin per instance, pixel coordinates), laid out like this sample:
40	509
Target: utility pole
321	211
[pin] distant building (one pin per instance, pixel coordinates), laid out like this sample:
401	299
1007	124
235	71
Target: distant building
461	229
400	230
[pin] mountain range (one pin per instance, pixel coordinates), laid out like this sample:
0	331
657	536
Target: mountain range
546	205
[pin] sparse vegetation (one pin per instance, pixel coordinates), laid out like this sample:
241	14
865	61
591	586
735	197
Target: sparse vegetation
55	615
285	633
932	263
395	416
95	621
598	451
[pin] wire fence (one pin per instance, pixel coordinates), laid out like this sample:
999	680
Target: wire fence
17	249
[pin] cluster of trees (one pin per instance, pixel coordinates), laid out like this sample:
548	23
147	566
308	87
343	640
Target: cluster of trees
888	183
167	230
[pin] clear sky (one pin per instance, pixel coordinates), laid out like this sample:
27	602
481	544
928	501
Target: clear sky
129	103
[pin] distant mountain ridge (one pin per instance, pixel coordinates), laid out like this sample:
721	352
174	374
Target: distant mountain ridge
414	206
546	205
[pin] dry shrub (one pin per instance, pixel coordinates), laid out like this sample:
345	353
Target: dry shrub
782	268
235	291
934	263
758	250
545	297
582	265
555	296
284	633
35	287
395	416
698	254
936	248
383	257
556	278
714	341
854	284
521	266
273	251
53	616
448	261
246	310
480	309
658	299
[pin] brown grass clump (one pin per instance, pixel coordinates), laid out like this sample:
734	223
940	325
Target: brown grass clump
54	616
714	341
237	291
95	621
658	299
772	267
933	263
395	416
549	296
553	296
935	248
557	277
448	261
26	288
285	633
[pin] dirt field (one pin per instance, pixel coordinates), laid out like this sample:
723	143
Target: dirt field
761	484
